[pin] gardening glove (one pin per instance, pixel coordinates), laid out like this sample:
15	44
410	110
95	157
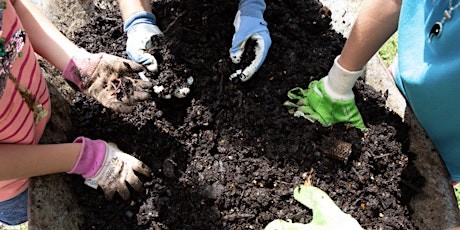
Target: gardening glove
456	186
249	23
103	164
329	100
326	214
140	28
111	80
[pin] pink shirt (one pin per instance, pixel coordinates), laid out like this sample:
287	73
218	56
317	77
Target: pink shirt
17	123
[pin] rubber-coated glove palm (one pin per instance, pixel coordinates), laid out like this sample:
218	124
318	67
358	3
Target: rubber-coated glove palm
249	24
103	164
140	28
330	100
113	81
326	214
315	104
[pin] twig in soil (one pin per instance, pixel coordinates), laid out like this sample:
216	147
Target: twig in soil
357	174
109	19
384	155
308	177
165	31
232	217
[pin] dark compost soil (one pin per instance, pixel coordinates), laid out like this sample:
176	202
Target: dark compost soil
229	155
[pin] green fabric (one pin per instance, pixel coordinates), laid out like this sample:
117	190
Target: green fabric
457	193
284	225
315	105
326	214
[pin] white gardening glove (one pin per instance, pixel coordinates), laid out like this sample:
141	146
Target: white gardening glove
103	164
249	24
140	28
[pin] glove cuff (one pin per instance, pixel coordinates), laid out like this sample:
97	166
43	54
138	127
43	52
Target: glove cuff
81	66
252	8
91	157
139	18
339	83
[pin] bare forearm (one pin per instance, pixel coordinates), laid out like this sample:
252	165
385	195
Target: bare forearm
376	22
130	7
46	39
23	161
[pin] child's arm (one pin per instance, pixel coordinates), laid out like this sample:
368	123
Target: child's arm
102	164
129	7
23	161
372	28
46	39
98	75
139	24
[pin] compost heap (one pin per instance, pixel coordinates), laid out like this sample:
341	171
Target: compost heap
229	154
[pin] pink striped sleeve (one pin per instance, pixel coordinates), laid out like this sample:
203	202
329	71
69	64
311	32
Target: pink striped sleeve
17	124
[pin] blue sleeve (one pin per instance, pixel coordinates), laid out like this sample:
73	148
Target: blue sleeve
252	8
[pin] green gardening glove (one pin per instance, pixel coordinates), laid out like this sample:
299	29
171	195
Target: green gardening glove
315	104
326	214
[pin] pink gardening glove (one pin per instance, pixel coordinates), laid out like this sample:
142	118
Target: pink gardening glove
113	81
103	164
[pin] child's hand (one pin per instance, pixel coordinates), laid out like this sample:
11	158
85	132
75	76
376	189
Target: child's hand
315	105
117	169
104	165
329	100
249	24
113	81
140	29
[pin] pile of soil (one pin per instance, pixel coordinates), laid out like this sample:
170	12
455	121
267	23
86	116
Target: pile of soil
229	154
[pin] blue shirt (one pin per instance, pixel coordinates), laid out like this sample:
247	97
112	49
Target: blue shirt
428	74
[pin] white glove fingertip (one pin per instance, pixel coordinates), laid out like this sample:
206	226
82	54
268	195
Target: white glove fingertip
152	67
142	76
252	68
152	64
236	56
248	72
124	193
235	74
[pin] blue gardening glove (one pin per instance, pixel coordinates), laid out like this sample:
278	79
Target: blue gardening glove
249	23
329	100
140	28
